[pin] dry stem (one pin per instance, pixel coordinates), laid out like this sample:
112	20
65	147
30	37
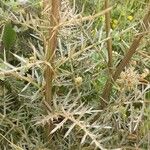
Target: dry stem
50	53
109	41
50	49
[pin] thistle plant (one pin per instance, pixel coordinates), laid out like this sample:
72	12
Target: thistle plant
53	76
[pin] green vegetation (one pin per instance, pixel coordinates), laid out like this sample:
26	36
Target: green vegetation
78	79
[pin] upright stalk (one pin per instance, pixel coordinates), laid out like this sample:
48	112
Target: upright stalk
109	41
50	48
109	44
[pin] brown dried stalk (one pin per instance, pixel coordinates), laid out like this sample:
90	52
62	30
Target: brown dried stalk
50	48
135	44
109	41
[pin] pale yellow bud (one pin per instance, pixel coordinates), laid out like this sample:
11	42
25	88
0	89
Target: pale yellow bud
145	73
32	59
133	62
78	81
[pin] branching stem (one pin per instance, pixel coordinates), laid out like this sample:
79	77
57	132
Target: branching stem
135	44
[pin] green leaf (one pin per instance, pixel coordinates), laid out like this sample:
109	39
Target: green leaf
148	95
9	36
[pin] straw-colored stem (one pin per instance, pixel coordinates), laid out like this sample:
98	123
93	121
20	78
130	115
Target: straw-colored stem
109	41
50	48
109	45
